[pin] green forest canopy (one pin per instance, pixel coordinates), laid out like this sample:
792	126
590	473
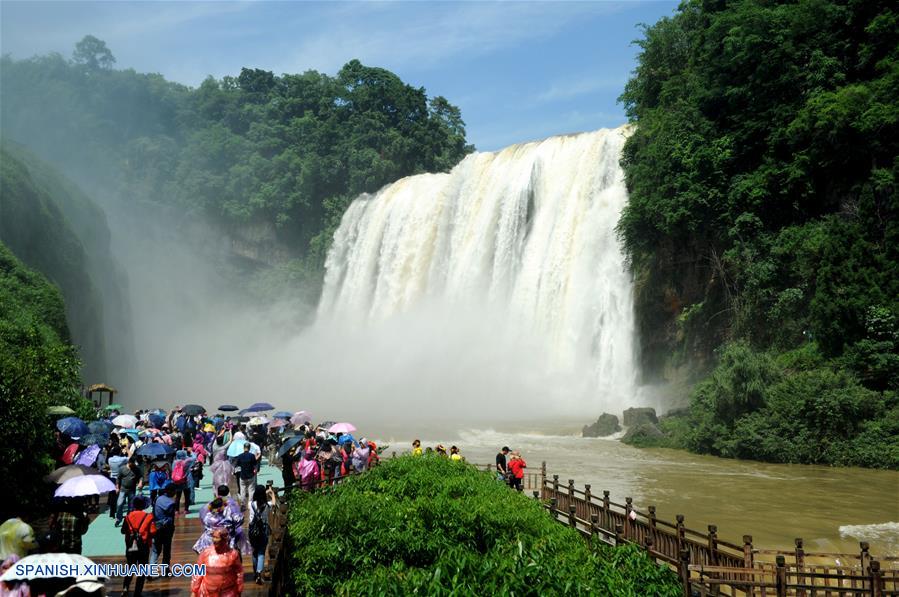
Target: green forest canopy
763	217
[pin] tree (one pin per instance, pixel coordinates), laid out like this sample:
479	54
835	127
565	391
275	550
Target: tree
93	53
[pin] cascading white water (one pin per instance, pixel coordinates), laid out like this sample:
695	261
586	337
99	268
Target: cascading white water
526	234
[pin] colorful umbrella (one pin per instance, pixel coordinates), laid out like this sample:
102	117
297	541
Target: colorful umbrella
64	473
114	406
227	408
85	485
42	565
341	428
72	426
88	456
259	421
258	407
236	448
125	421
69	455
300	417
278	423
193	410
60	410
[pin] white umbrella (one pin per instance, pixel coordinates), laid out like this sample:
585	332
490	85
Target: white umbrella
48	561
124	421
259	421
85	485
236	448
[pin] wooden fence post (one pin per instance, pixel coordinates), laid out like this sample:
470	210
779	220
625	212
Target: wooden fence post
393	453
555	484
619	535
680	532
876	579
593	525
572	515
552	507
684	570
587	495
606	520
781	576
536	495
543	479
800	562
713	544
747	551
652	516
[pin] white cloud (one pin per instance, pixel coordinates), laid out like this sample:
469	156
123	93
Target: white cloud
419	35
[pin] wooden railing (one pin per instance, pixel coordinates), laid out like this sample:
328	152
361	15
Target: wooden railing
709	565
705	563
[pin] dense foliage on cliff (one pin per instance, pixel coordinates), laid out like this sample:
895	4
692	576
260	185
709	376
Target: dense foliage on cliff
428	525
764	211
34	226
38	369
286	151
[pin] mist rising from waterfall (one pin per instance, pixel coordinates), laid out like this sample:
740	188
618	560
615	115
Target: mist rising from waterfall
501	282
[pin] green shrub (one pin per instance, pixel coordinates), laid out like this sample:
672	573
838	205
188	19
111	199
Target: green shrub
431	526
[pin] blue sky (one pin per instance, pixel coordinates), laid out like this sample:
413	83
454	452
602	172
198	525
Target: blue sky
518	70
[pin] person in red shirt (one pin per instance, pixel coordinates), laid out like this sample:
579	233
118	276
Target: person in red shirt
224	569
517	465
138	529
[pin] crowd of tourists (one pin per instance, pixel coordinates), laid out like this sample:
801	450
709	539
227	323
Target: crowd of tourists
149	465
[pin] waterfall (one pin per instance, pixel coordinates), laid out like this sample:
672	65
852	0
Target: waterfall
525	234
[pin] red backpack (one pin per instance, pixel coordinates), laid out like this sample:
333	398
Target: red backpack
179	474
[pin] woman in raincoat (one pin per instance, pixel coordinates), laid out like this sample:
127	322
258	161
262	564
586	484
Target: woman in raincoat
218	516
224	569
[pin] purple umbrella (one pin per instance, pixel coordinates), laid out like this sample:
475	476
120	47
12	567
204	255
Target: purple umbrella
89	456
258	407
341	428
85	485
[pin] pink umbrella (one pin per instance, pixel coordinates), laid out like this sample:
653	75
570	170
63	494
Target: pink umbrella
300	417
88	456
277	423
85	485
341	428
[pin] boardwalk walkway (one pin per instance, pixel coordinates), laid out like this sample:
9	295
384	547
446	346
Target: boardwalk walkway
104	543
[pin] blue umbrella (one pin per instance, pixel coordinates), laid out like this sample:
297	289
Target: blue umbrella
287	445
346	437
236	448
155	449
100	426
258	407
282	414
72	426
93	439
156	419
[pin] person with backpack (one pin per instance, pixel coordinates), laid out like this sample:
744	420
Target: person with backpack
264	499
139	529
164	518
181	479
159	477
